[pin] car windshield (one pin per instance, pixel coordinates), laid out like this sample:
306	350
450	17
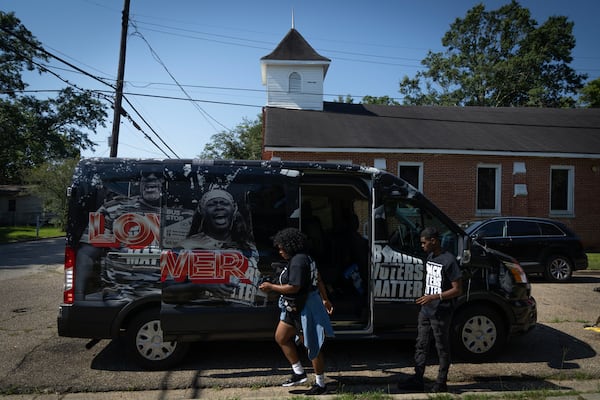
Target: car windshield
470	226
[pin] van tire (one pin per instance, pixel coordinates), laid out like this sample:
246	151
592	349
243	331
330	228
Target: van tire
478	333
144	342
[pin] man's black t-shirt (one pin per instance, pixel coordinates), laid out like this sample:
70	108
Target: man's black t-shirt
442	270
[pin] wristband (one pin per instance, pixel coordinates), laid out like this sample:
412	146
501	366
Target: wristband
441	299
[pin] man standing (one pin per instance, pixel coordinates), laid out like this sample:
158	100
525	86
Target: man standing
442	284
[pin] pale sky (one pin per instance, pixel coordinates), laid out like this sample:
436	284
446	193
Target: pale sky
210	51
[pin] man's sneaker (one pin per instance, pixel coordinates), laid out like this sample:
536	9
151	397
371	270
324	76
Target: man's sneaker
295	379
439	388
412	384
316	390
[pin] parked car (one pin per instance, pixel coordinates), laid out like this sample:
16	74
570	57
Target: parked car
541	245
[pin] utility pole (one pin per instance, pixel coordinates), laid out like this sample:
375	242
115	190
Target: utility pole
114	143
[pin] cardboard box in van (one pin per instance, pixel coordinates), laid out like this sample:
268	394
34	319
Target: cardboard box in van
174	251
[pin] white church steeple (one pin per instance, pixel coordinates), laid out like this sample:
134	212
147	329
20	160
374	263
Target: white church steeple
294	73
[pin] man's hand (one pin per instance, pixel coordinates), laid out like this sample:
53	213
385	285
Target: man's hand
428	298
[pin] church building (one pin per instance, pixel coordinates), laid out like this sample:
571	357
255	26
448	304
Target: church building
473	162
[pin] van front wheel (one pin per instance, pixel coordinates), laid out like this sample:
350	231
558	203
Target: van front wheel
478	333
145	343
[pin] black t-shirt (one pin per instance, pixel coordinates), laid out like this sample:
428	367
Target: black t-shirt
298	272
441	271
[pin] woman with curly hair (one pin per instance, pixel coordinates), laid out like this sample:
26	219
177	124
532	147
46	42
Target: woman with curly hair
304	308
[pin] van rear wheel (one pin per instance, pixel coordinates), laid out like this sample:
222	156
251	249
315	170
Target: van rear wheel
478	333
145	343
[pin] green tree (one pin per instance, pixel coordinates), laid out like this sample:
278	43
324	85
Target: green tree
384	100
590	94
348	99
244	142
33	130
499	58
49	181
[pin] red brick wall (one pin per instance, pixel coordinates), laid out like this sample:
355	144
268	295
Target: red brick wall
450	182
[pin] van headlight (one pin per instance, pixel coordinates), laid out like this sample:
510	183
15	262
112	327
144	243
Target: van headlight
466	256
516	271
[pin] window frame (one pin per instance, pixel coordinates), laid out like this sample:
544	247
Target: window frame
498	190
295	78
412	164
570	210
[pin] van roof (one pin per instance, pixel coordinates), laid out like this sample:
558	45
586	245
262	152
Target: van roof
279	164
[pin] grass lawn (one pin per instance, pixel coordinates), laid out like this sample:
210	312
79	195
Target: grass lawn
594	261
17	233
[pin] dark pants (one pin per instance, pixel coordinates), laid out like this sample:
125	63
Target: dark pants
439	326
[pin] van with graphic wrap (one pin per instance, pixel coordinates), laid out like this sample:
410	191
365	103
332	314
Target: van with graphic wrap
164	253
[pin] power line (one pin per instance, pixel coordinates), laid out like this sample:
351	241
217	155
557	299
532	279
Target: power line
203	112
80	70
245	45
147	124
46	52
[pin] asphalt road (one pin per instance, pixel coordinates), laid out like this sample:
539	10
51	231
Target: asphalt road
37	360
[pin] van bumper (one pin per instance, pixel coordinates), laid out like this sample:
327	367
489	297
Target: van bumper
90	319
525	312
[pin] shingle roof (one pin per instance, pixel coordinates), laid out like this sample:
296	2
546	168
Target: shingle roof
362	126
294	47
13	190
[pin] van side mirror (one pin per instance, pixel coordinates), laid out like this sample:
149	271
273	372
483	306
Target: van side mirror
395	191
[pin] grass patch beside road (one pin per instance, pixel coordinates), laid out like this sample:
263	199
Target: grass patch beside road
10	234
594	261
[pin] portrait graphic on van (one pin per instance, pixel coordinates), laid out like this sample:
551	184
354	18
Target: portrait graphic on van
159	232
217	259
122	238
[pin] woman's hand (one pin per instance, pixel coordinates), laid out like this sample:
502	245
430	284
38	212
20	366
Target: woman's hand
266	287
328	306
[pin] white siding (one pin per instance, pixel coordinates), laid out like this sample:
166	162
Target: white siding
310	96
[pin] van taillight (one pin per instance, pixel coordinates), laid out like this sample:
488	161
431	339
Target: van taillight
69	285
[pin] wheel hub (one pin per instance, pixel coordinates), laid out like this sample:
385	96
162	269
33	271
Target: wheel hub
479	334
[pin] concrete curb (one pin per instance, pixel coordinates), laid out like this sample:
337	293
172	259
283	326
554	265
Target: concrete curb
567	390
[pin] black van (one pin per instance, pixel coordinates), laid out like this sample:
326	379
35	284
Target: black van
169	252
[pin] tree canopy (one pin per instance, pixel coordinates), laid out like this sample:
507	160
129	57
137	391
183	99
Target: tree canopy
49	181
244	142
590	94
383	100
33	130
499	58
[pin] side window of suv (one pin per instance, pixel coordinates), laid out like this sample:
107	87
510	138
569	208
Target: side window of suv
550	230
492	229
523	228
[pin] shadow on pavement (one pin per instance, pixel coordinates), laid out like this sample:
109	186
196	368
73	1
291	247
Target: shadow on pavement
550	348
34	252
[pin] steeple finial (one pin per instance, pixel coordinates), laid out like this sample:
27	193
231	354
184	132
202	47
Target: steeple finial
293	24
